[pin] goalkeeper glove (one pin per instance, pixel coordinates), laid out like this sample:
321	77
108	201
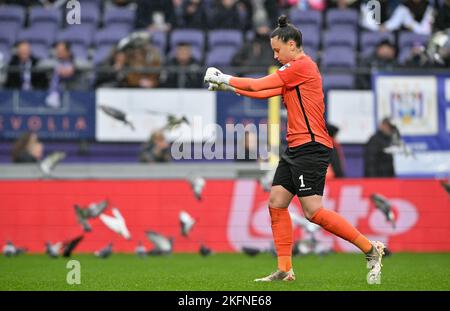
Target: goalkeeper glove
214	75
220	87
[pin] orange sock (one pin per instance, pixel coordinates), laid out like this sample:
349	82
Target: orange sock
282	236
338	225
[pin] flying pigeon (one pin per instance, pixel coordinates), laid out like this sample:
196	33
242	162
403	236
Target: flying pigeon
116	223
197	183
116	114
162	244
91	211
104	252
173	122
186	222
266	180
384	206
82	218
49	163
140	250
302	222
70	245
204	251
53	250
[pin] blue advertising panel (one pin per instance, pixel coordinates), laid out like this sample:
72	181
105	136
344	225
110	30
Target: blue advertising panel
73	118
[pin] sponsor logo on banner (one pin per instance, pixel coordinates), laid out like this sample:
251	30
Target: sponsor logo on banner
251	227
22	111
410	101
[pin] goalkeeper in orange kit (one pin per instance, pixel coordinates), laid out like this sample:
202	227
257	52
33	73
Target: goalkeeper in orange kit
302	168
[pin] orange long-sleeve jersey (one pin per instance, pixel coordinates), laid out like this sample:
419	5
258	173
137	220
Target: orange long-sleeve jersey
300	84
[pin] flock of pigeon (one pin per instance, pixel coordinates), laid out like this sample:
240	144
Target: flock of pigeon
164	245
116	223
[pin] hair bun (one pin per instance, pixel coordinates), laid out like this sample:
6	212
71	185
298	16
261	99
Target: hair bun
282	21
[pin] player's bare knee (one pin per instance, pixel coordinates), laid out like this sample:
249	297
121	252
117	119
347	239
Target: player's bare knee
309	212
276	202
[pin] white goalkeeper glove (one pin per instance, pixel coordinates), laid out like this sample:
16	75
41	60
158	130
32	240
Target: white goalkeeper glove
214	75
220	87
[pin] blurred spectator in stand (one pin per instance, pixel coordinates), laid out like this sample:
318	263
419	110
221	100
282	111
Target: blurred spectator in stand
378	163
343	4
63	74
111	73
154	14
122	3
21	75
53	3
337	167
256	53
443	16
189	73
24	3
27	149
304	5
157	149
189	14
413	15
417	57
225	15
383	57
140	59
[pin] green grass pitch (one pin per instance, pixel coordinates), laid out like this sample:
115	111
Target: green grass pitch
234	272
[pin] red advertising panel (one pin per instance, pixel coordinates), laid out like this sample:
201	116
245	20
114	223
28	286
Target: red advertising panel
231	214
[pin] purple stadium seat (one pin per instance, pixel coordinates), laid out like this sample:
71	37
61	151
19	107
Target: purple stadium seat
109	36
159	41
7	36
193	36
41	37
311	36
224	37
11	28
299	18
403	54
80	34
90	14
40	14
337	81
105	40
101	53
311	51
333	37
12	13
369	39
5	52
408	39
338	57
220	56
80	38
197	54
117	15
342	17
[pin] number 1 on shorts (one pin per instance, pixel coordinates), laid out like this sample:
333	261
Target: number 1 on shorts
302	183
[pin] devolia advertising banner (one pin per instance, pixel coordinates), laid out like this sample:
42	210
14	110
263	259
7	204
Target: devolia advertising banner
72	117
232	214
